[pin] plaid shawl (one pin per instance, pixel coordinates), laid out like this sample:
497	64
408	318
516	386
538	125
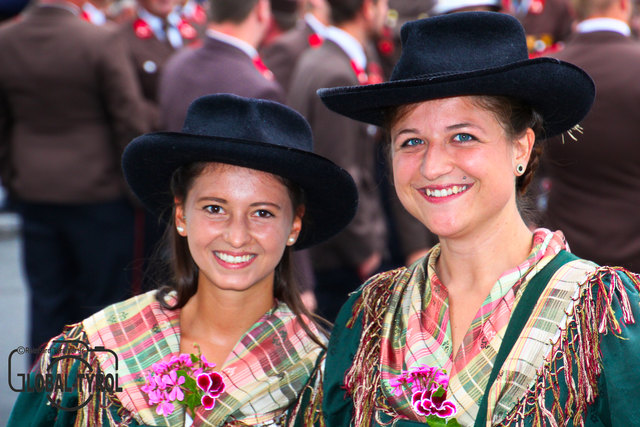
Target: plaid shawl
264	374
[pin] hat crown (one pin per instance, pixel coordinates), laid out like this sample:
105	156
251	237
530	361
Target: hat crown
459	43
261	121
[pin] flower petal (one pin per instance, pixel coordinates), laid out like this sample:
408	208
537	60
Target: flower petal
208	401
204	382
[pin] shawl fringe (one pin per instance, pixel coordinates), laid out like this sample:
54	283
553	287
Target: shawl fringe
577	354
98	403
362	381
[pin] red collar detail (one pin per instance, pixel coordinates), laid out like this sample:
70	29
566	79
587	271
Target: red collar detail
361	74
257	62
315	40
142	29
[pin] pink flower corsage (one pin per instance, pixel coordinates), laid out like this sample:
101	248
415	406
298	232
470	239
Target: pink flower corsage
428	387
187	379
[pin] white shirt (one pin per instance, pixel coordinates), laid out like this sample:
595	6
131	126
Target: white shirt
233	41
157	26
349	44
604	24
318	27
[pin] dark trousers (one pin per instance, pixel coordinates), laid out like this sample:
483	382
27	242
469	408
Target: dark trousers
77	260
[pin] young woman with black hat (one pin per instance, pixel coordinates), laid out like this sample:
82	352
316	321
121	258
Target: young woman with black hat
498	324
227	340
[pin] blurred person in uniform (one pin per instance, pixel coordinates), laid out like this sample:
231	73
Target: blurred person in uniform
153	34
343	262
547	23
282	55
69	104
595	181
227	62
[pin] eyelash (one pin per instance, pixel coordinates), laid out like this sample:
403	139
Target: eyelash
471	137
408	141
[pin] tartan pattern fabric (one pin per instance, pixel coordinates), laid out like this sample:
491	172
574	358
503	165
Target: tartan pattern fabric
264	373
416	330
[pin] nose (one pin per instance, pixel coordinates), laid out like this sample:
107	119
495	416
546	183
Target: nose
436	161
237	233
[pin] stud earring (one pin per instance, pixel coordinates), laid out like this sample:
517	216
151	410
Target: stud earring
180	229
520	168
292	240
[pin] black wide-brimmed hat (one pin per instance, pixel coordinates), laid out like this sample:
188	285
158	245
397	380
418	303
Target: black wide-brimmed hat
471	53
252	133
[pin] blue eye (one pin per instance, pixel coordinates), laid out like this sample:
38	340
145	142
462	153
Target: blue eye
412	142
463	137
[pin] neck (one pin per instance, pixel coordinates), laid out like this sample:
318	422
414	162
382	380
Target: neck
475	261
217	315
356	30
244	32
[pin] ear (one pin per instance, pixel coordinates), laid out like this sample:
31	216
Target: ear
296	226
368	9
263	11
522	148
180	219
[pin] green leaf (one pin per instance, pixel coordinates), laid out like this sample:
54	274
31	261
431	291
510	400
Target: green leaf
194	358
453	423
192	400
439	392
189	382
436	421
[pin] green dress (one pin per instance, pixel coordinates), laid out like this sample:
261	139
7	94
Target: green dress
586	375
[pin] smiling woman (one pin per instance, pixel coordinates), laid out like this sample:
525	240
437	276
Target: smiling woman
226	340
498	324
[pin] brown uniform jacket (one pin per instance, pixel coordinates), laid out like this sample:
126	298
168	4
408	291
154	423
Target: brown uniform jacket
69	103
595	187
283	53
215	67
349	144
148	56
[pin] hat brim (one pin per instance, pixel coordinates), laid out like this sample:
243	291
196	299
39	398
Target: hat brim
331	197
561	92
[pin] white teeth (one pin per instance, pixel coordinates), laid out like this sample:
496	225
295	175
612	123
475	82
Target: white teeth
233	259
446	192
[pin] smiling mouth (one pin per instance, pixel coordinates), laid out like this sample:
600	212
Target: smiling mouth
446	192
231	259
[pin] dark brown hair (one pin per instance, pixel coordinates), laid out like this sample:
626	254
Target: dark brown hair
345	10
235	11
181	272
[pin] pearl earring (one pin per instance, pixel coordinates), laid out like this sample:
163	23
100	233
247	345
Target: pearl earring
180	229
292	240
520	168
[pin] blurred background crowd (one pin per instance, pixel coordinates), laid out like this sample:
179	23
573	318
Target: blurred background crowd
80	78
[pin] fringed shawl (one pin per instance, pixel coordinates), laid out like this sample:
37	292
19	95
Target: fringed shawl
551	375
264	375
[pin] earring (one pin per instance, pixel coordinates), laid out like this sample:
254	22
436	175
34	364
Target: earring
180	229
520	168
292	240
